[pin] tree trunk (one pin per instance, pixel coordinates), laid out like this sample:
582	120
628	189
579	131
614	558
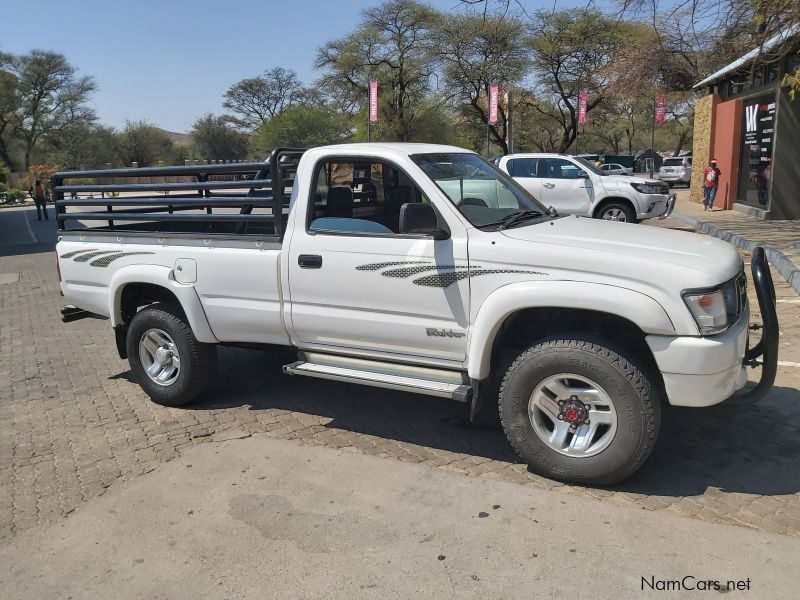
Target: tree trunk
682	137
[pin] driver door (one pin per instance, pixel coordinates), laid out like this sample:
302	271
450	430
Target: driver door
565	187
357	284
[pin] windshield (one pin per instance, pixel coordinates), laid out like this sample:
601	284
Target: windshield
673	162
587	165
481	192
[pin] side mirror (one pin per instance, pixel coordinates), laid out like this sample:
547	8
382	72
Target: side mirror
584	175
419	218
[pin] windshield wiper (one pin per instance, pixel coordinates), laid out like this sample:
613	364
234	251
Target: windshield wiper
517	217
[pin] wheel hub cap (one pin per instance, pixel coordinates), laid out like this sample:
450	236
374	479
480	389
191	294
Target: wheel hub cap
574	412
573	415
159	356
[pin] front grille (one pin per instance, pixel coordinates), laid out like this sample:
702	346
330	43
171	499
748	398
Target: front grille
735	294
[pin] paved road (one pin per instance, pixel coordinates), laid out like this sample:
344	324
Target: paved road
264	518
72	424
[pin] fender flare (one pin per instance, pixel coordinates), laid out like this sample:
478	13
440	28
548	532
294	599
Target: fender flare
616	197
634	306
162	277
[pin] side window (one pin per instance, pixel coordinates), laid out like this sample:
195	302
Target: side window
560	168
523	167
360	197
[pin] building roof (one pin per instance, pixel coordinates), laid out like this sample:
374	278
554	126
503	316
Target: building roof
785	34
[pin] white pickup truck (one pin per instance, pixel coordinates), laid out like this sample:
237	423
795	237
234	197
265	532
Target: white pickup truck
574	186
420	268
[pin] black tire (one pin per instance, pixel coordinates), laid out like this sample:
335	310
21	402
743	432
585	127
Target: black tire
624	207
634	398
198	361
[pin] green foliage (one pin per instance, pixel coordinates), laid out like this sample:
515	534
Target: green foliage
143	143
393	44
216	138
300	126
13	196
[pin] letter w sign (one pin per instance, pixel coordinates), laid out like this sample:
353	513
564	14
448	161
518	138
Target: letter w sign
751	117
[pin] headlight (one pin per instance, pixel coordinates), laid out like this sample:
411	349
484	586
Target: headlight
708	310
649	188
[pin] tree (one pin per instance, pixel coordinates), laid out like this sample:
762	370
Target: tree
50	97
257	100
393	45
81	146
143	143
216	138
9	101
300	127
572	50
477	51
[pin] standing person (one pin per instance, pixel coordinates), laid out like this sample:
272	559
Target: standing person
39	198
710	184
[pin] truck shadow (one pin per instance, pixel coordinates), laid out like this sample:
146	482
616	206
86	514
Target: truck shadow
753	450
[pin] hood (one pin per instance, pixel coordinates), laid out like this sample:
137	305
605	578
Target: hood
638	252
628	179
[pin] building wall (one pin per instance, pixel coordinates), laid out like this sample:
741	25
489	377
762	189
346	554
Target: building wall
703	142
727	150
785	198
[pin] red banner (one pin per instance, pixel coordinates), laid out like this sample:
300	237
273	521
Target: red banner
373	101
583	103
661	108
508	113
493	96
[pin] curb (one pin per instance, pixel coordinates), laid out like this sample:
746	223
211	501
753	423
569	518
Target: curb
788	270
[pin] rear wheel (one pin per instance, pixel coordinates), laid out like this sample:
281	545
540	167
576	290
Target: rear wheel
578	411
617	211
170	365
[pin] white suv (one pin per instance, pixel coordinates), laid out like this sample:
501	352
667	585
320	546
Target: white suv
574	186
676	170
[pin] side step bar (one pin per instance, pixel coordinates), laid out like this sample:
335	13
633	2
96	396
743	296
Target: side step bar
71	313
420	380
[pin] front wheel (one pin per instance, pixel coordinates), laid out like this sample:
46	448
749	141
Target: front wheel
170	365
578	411
617	211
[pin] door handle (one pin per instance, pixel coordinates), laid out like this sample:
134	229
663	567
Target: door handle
309	261
549	186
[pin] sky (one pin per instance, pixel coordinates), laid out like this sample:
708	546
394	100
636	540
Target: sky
171	61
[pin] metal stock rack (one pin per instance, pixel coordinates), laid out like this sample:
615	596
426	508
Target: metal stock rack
179	207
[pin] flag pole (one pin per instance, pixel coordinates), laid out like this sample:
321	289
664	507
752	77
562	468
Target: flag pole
653	138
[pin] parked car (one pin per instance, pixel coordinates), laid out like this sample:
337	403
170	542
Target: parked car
574	186
616	169
676	170
422	268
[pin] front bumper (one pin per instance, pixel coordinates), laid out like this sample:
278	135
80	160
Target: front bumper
652	205
674	177
702	371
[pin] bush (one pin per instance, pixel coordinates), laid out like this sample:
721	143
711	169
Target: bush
13	196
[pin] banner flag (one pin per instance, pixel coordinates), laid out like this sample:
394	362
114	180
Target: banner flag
493	97
661	108
583	103
373	101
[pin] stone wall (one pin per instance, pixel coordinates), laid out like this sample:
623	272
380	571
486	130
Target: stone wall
703	142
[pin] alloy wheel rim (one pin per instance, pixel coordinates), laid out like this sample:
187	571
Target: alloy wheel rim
614	214
572	415
159	356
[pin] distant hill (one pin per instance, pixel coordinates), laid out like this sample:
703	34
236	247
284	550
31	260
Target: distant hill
181	139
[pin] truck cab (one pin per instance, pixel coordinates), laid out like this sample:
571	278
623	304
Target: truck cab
422	268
